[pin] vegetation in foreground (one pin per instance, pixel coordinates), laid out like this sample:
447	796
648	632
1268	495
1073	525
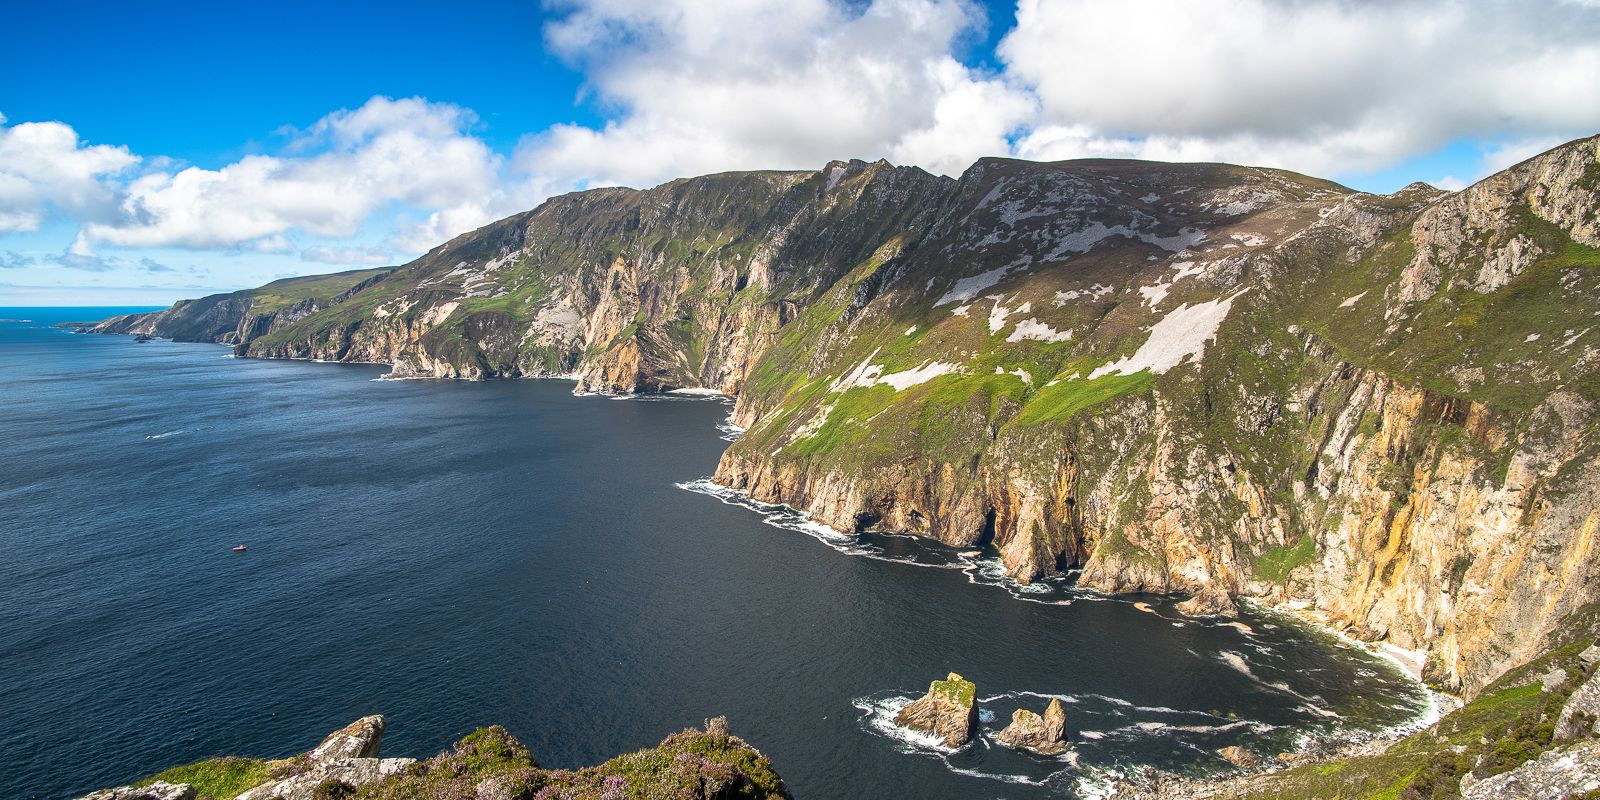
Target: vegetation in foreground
490	763
1509	723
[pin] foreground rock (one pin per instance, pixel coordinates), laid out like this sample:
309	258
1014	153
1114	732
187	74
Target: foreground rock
346	759
487	764
1044	735
359	739
1567	772
949	711
1581	712
159	790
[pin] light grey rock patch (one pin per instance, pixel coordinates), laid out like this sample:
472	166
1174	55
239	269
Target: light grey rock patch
1557	773
356	772
359	739
160	790
1585	700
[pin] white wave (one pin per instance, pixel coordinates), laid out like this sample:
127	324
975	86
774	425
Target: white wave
698	391
1237	662
164	435
878	714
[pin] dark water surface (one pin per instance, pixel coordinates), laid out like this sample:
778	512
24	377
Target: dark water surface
457	554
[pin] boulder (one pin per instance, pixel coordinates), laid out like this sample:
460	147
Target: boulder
949	711
359	739
1564	772
1239	757
160	790
1581	710
1044	735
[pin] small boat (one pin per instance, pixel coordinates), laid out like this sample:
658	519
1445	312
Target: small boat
240	549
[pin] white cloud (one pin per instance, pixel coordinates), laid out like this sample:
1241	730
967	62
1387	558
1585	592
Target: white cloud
362	256
43	165
345	168
770	84
1321	86
687	87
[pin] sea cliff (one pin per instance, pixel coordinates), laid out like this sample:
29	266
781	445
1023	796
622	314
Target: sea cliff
1201	378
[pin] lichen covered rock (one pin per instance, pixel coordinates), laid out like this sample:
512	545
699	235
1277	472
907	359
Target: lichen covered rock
1566	772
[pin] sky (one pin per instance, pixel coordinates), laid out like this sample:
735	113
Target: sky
156	151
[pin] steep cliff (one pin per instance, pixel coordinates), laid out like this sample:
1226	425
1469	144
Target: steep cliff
246	314
1202	378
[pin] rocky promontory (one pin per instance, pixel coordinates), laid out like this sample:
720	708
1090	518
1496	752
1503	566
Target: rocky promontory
488	764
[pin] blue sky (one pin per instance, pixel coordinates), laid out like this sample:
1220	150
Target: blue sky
150	153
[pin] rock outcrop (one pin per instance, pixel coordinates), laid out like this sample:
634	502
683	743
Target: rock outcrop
1565	772
160	790
948	712
1044	735
347	757
359	739
1581	714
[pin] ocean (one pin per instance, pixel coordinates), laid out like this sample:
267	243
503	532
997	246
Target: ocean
454	554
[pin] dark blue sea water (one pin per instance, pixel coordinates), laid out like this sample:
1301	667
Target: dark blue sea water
457	554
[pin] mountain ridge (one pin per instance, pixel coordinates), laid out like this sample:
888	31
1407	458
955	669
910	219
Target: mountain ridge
1203	378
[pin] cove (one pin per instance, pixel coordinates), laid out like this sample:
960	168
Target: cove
458	554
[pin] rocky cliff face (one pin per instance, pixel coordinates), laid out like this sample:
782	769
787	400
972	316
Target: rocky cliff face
1201	378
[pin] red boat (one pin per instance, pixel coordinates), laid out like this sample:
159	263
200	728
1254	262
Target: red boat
240	549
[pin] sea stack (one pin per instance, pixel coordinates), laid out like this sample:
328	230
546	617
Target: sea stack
1044	735
948	711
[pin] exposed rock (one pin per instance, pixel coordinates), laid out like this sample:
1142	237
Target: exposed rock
1239	757
1581	712
1590	656
348	756
353	772
1553	680
359	739
160	790
949	711
1211	601
1568	771
1044	735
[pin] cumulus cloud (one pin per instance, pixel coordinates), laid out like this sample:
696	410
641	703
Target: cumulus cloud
686	87
340	171
365	256
700	87
1316	85
44	167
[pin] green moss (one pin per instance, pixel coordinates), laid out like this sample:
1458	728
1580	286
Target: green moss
219	778
1072	395
1275	564
956	689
